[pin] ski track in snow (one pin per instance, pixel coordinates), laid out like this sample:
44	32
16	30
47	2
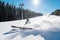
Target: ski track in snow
43	27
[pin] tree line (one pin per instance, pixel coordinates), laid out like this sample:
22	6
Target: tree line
56	12
9	12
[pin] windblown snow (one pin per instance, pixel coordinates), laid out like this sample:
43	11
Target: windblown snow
43	27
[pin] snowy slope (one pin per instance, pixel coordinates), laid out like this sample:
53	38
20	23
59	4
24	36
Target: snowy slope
43	23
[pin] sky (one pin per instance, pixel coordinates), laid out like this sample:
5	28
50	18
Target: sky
39	6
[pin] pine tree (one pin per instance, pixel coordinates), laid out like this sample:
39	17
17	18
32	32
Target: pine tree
0	11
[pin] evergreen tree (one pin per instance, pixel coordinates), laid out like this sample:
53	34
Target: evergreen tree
0	11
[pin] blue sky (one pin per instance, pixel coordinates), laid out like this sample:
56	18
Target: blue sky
44	6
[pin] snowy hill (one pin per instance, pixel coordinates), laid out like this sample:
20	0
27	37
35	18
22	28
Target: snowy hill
43	27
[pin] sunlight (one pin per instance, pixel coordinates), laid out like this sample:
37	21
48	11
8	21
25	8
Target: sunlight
35	2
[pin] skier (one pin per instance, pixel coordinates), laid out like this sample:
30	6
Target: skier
27	21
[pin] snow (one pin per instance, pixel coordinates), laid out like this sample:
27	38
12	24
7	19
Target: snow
42	23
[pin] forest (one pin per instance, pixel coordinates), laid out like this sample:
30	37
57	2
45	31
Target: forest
9	12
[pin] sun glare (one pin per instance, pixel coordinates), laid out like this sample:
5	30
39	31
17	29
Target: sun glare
35	2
